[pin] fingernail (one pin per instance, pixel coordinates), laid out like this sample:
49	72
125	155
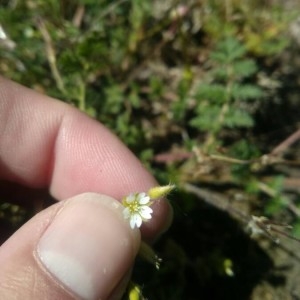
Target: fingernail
89	246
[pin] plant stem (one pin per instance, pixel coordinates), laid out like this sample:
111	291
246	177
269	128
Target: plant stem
51	56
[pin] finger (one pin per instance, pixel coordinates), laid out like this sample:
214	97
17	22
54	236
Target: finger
82	248
48	143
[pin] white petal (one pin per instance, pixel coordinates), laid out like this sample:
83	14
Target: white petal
145	209
144	200
145	212
126	213
130	198
135	220
146	217
141	195
132	222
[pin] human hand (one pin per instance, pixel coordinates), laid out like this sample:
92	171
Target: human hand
80	247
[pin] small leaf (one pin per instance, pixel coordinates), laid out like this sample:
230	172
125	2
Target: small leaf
244	68
275	205
228	50
246	92
206	118
214	92
238	118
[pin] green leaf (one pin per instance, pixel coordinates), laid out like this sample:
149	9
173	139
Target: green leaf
244	149
180	106
219	56
134	98
238	118
228	51
242	92
275	205
296	228
244	68
156	86
206	118
114	99
214	92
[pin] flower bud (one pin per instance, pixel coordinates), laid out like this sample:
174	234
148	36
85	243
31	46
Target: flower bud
160	191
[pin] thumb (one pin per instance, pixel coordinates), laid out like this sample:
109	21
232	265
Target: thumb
78	248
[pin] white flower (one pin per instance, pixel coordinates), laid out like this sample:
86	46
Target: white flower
137	209
137	205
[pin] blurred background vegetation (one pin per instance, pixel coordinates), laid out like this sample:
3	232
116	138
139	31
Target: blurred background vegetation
206	94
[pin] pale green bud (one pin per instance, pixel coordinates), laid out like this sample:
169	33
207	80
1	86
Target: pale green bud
160	191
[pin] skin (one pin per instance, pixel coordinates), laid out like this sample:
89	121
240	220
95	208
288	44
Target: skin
51	147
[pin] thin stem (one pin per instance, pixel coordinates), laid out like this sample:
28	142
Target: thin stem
81	96
51	56
230	159
286	143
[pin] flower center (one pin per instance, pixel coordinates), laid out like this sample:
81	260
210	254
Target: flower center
134	206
